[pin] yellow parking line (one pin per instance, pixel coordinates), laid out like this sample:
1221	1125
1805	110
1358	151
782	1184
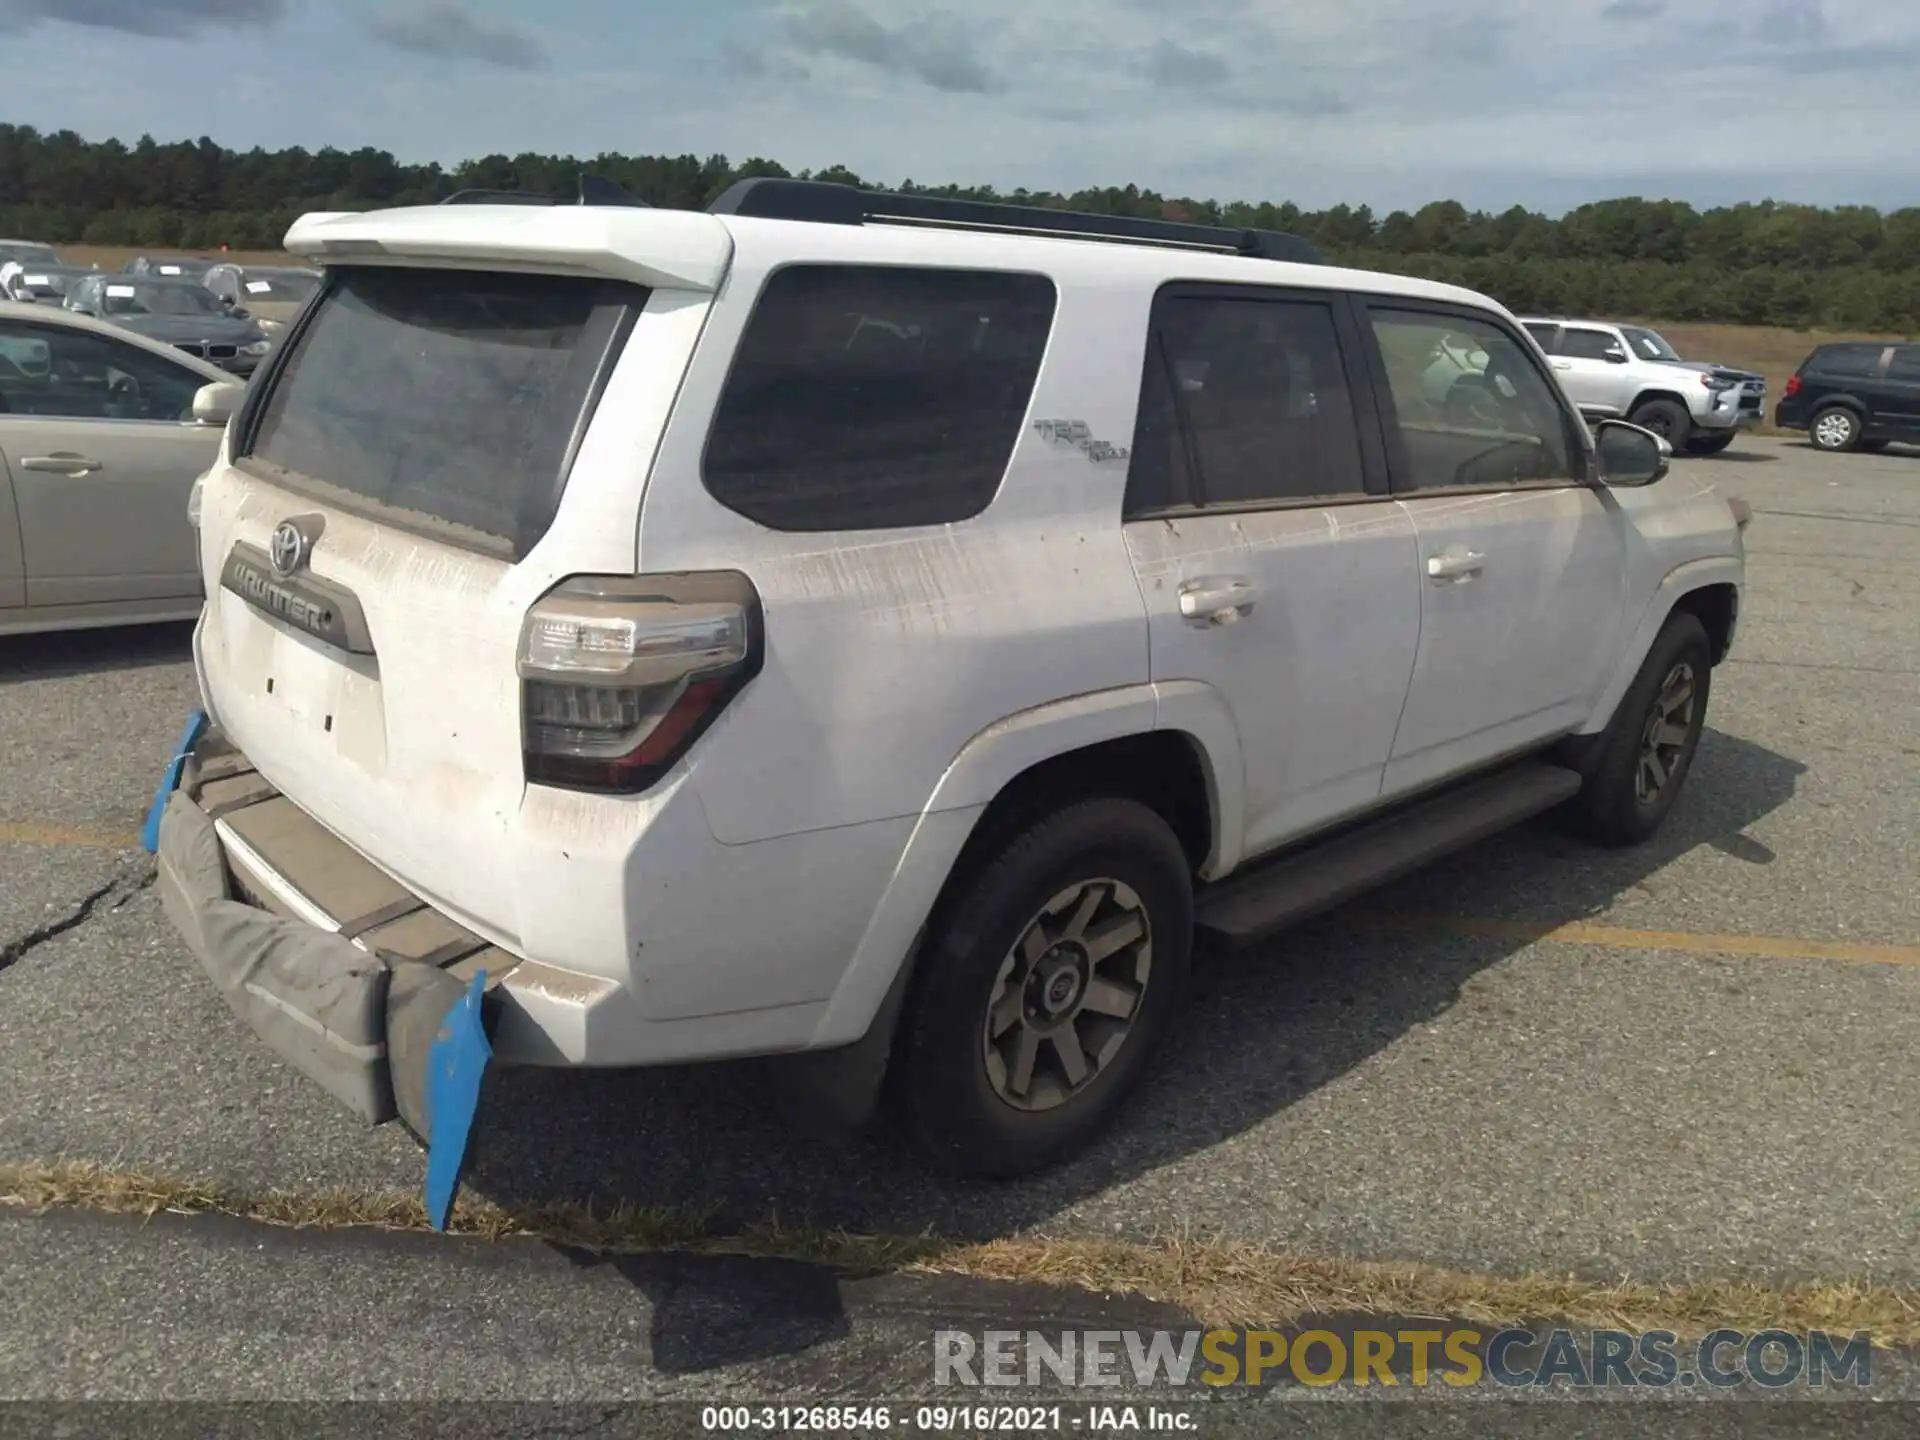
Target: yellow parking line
1692	942
23	832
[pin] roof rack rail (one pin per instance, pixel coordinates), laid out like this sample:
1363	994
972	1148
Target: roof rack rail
594	190
827	203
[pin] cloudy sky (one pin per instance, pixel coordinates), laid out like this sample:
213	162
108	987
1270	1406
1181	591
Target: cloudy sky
1545	103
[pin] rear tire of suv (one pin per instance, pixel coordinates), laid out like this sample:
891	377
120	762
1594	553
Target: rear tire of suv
1636	771
1709	444
1666	418
1045	985
1834	428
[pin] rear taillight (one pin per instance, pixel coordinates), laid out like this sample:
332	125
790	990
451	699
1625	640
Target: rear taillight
619	677
1792	387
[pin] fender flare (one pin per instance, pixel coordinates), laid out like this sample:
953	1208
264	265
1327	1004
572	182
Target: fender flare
1655	392
1680	581
986	764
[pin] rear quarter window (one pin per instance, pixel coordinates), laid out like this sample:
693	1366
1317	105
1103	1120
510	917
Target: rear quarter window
1855	361
443	401
869	397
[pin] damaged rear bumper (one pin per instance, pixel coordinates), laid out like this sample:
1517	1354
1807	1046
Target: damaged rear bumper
341	971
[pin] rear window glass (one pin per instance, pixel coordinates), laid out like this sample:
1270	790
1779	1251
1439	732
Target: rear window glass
447	400
867	397
1905	364
1847	360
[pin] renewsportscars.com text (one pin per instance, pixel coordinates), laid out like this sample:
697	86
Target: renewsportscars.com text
1454	1356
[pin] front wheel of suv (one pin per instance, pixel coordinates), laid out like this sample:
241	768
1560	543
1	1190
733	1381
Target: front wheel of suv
1666	418
1642	758
1045	986
1835	428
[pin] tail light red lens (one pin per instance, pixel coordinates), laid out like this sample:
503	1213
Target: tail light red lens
1793	387
619	677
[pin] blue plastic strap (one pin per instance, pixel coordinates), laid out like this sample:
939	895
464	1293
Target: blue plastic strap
455	1067
170	779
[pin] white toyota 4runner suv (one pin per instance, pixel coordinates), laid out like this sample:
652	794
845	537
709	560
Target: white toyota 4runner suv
885	628
1614	371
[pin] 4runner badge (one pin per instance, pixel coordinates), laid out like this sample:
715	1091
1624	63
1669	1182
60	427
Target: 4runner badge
1076	434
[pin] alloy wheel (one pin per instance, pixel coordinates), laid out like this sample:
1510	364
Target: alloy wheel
1833	430
1068	994
1664	740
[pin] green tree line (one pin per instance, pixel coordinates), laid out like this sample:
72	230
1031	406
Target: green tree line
1765	262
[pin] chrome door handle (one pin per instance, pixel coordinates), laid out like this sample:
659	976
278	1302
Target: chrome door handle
1459	567
1216	599
62	463
1563	364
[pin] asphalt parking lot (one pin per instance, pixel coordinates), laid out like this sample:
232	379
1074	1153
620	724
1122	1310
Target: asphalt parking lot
1692	1060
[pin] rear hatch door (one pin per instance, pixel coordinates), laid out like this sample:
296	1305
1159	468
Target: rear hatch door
416	468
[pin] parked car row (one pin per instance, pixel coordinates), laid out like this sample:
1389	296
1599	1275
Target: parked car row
213	309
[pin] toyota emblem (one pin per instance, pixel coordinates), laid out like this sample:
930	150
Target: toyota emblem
289	548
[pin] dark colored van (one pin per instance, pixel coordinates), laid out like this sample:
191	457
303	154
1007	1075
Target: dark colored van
1858	395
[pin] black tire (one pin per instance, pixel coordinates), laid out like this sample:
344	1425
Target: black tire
1612	808
1666	418
943	1086
1709	444
1834	428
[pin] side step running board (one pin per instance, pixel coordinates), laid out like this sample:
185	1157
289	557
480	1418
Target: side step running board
1246	908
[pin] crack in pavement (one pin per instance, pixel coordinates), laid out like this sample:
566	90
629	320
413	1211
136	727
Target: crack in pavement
129	881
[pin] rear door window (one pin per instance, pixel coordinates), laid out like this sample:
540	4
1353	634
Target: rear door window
1853	361
1244	402
443	401
1581	344
1544	336
867	397
1905	364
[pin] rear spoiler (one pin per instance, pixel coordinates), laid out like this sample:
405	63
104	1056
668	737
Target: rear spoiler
660	249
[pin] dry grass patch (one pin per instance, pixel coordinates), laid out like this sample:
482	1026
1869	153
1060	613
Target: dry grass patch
1218	1282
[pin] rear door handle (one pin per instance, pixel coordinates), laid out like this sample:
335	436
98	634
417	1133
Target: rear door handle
62	462
1216	599
1463	566
1563	364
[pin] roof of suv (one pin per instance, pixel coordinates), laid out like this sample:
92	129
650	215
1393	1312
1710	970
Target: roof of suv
678	249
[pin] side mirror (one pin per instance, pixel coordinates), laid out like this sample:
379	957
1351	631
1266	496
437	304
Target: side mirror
1629	455
239	312
1616	357
214	404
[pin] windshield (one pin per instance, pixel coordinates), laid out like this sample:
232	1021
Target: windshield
277	286
173	267
47	280
27	253
135	298
1648	345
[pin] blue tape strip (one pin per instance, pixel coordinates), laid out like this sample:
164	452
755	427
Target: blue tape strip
455	1067
170	779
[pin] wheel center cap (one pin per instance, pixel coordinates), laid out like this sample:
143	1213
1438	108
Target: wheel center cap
1057	982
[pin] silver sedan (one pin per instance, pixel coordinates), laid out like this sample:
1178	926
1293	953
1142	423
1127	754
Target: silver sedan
99	446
